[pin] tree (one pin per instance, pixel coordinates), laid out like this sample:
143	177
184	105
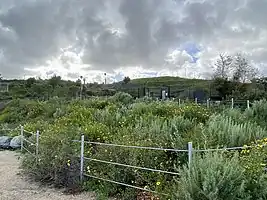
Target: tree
54	81
126	79
261	83
30	82
223	86
223	66
242	70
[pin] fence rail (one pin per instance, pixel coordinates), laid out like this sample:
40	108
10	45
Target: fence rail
23	139
190	151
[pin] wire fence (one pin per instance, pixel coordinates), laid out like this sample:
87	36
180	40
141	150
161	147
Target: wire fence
190	151
83	173
31	143
233	102
26	141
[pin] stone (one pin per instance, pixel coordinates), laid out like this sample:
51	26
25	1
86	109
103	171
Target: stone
5	142
15	143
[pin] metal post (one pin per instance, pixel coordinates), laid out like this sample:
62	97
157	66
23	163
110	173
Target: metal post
196	100
37	143
190	153
247	104
232	103
21	139
82	157
179	102
208	103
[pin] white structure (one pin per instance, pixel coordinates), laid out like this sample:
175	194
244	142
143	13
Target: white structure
4	87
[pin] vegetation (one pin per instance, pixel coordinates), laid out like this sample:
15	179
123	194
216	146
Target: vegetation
63	110
120	119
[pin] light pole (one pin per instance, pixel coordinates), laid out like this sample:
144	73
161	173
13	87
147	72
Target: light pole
105	74
81	77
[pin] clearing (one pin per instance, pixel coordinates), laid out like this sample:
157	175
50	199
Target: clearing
14	187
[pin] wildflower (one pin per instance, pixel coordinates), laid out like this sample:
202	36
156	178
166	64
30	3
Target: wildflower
146	188
158	183
68	163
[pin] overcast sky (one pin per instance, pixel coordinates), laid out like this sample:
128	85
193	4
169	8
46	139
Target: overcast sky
136	38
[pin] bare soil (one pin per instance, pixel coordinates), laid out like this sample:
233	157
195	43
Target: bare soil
13	186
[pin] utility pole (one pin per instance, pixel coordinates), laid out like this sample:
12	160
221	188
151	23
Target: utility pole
105	74
81	92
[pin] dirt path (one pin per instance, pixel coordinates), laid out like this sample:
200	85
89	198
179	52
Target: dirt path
14	187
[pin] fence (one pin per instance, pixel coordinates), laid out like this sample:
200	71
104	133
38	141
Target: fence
232	102
190	152
23	139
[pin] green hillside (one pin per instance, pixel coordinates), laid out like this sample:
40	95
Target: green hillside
179	87
175	86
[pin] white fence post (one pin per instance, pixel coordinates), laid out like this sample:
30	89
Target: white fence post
37	142
196	100
232	103
21	139
82	157
179	102
190	153
208	103
247	104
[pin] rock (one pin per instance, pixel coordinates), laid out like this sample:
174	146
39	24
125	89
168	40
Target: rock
15	143
5	142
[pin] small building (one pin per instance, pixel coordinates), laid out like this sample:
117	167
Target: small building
4	86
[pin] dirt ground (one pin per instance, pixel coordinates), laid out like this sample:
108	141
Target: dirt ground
15	187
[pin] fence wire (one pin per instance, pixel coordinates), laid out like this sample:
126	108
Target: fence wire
29	132
124	184
28	151
131	166
28	141
134	147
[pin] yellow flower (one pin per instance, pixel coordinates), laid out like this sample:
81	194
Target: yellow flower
158	183
68	163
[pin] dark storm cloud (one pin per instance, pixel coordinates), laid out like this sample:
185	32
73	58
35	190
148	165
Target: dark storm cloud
119	33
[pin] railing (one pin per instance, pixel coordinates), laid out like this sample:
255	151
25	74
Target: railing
83	158
32	143
190	151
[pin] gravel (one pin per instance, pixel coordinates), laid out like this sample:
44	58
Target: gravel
15	187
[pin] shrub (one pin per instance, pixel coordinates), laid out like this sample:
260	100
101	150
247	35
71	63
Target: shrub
222	130
123	98
258	113
150	124
254	161
56	161
212	177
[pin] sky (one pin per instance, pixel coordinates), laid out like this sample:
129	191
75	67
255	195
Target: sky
135	38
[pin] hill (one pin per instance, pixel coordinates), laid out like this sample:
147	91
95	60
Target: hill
177	86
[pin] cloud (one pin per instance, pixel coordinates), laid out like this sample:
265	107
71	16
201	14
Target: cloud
73	37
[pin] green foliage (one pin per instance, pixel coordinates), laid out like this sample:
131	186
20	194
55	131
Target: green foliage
258	112
222	130
122	97
223	86
211	177
122	120
253	159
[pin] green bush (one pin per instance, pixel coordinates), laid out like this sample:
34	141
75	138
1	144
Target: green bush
222	130
211	177
123	98
258	113
121	120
